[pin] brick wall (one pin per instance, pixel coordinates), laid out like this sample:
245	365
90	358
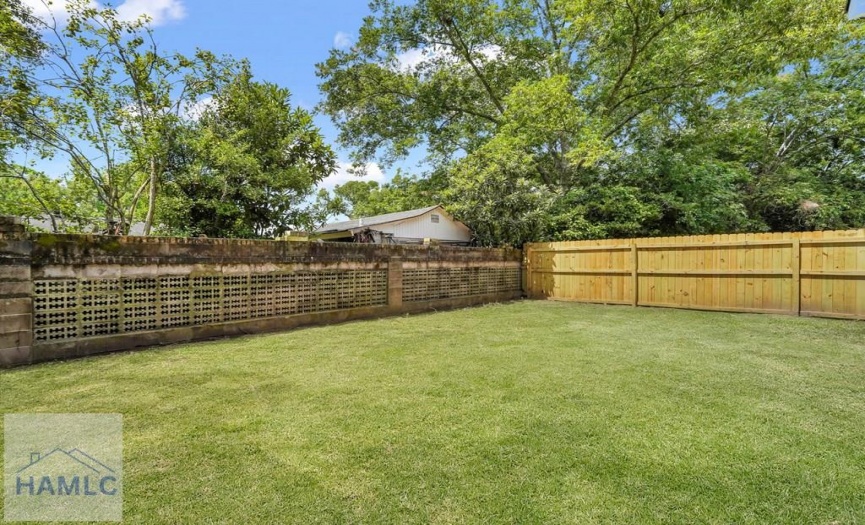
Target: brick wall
73	295
16	287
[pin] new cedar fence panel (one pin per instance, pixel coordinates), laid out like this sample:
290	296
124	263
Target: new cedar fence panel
807	273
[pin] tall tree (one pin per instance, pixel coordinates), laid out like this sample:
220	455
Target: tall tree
247	166
550	92
785	155
802	136
109	101
20	50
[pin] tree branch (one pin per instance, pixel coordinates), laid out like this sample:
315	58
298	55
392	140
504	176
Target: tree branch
459	43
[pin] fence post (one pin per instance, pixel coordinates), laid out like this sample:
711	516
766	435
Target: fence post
528	270
797	276
635	258
394	282
16	294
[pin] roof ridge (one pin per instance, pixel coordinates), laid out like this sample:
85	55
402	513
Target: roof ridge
373	220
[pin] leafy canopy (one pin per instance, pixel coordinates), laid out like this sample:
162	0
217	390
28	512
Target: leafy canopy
544	113
560	82
247	166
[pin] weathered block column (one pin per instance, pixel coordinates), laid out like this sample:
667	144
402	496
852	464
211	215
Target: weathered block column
394	283
16	294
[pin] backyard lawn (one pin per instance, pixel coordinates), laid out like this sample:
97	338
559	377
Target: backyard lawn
529	412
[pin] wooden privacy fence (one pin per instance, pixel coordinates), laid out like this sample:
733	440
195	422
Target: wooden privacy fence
808	273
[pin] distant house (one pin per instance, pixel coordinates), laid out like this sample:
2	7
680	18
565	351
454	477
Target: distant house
406	227
44	223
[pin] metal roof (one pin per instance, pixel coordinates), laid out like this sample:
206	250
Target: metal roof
363	222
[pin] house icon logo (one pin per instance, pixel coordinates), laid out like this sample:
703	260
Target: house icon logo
66	473
62	467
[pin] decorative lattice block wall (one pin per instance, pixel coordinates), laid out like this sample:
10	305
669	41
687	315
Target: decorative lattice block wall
66	309
69	295
429	284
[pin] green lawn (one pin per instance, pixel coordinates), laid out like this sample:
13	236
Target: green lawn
530	412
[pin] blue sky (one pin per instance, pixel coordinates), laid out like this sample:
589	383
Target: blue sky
283	40
857	7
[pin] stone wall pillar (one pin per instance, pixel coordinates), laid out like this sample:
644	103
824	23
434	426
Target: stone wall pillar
394	283
16	294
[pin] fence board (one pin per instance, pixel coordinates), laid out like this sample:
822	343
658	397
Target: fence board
807	273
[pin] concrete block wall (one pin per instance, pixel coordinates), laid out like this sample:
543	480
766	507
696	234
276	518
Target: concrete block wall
65	296
16	287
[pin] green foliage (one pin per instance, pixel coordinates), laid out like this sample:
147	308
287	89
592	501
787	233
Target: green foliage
323	208
612	117
803	137
109	101
600	211
694	191
578	71
501	206
33	195
786	155
20	49
246	167
368	198
126	116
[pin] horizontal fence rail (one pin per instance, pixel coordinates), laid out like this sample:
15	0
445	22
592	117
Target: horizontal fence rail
808	273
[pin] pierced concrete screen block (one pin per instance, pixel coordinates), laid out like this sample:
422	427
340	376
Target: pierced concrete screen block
100	306
78	308
56	310
174	299
444	283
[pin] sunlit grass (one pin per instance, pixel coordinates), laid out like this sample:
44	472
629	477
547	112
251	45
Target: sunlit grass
530	412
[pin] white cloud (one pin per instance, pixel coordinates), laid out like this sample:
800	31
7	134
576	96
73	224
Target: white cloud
39	9
342	40
47	9
194	110
343	175
408	60
490	52
159	11
412	58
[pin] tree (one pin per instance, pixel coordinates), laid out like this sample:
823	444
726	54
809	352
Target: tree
247	166
368	198
501	207
802	135
550	92
20	49
110	102
61	207
785	155
560	80
325	206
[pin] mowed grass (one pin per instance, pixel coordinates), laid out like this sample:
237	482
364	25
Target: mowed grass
529	412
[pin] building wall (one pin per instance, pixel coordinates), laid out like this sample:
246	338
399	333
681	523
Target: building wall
73	295
422	227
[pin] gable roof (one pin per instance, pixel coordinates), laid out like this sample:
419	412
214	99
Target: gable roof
375	220
74	457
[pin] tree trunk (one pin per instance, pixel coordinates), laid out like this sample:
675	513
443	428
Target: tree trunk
151	204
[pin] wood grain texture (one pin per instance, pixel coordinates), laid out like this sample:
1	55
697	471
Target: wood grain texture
803	273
